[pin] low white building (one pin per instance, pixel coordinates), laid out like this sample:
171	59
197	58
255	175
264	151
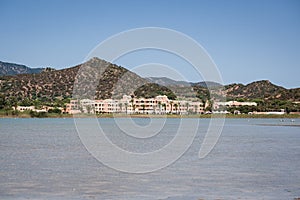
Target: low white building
25	108
281	112
32	108
233	104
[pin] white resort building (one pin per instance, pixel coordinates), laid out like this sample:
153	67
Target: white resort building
33	108
233	104
128	105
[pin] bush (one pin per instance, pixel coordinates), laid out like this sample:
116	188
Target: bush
38	114
55	110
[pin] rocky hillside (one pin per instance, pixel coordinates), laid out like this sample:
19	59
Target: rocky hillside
167	81
114	81
170	82
14	69
262	90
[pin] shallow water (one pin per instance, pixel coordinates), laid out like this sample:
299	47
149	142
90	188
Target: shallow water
253	159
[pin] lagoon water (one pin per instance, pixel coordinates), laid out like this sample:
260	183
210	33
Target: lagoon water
253	159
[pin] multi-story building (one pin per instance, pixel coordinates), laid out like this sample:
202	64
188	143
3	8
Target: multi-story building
128	105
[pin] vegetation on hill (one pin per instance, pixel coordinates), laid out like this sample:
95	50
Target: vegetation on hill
268	96
151	90
103	80
44	86
262	90
51	86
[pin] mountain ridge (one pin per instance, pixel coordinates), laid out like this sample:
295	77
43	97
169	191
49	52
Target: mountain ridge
50	84
7	68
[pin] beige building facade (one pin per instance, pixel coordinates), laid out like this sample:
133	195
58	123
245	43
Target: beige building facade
128	105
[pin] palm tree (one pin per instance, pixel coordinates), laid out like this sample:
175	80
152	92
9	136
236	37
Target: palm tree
165	107
120	105
209	105
126	106
159	107
196	109
187	107
132	101
14	102
154	108
80	108
88	108
171	103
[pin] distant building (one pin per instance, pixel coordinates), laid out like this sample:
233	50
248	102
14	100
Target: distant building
24	108
281	112
128	105
217	105
32	108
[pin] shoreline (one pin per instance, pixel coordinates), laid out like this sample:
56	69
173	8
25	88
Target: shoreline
241	116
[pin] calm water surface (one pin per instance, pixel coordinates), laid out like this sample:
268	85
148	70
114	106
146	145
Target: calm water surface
253	159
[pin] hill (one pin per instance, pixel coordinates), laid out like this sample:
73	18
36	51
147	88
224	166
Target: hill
14	69
115	81
58	84
184	89
263	89
167	81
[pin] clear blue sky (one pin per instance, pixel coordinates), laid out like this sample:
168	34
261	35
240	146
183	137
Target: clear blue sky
248	40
